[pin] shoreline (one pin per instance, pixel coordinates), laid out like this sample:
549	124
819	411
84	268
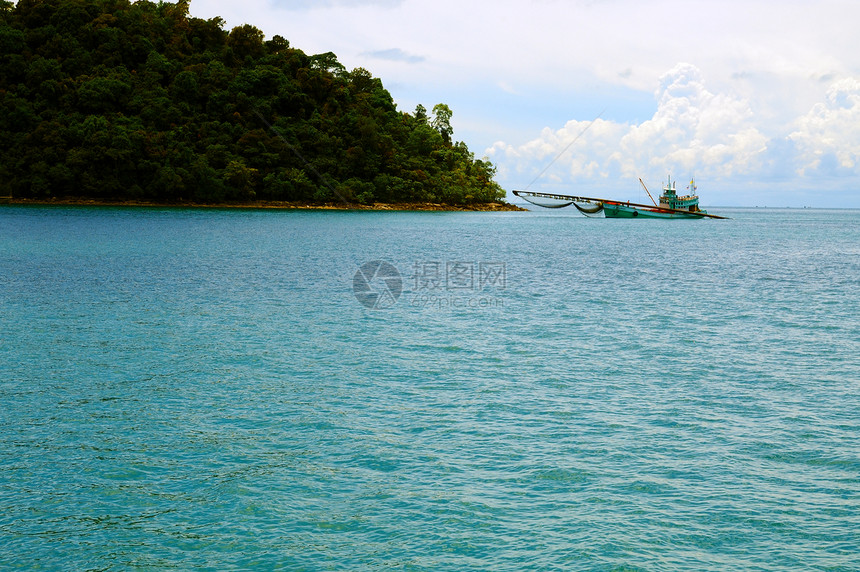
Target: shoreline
285	205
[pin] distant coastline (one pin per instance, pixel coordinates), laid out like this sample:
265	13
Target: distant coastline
286	205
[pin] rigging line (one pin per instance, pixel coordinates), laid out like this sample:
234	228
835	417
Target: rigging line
300	156
563	151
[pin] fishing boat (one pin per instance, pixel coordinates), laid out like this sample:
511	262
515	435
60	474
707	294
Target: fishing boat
671	205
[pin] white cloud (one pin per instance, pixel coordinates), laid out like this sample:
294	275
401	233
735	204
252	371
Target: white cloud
831	130
575	151
692	131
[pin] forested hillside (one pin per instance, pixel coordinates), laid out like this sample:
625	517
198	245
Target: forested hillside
110	99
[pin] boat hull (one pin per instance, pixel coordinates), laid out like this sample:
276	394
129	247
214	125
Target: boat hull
620	210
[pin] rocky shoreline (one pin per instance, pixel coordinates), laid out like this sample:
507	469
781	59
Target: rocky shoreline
81	201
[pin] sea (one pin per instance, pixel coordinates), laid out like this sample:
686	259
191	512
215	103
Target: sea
252	389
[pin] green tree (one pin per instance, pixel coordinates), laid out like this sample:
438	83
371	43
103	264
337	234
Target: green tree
421	113
246	41
240	179
442	121
114	99
327	62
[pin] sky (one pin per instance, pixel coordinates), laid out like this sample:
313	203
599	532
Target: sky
758	100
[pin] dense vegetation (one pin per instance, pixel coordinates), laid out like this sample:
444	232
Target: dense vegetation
110	99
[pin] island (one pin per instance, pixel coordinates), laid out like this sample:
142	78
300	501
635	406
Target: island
114	102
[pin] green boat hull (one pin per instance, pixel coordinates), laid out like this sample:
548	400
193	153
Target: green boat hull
618	210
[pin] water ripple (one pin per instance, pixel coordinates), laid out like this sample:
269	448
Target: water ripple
201	390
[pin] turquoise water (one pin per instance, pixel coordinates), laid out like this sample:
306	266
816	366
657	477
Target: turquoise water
203	389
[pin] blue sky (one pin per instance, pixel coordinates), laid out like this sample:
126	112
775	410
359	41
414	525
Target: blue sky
759	100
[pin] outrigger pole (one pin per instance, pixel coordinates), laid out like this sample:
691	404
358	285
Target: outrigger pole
524	194
649	193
